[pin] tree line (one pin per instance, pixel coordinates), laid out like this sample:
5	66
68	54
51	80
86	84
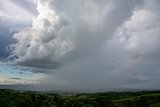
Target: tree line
11	98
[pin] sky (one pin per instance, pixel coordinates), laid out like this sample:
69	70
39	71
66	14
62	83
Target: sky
96	45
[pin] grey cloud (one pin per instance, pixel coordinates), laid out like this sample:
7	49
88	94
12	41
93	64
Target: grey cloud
32	69
15	78
93	44
137	44
1	17
5	39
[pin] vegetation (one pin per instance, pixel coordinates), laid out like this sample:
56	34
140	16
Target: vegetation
11	98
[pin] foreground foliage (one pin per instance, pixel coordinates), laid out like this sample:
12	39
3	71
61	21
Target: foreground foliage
10	98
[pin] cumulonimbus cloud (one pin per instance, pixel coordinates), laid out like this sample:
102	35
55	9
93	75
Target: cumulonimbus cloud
104	43
42	42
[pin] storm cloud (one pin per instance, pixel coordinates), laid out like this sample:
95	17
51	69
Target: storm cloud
90	44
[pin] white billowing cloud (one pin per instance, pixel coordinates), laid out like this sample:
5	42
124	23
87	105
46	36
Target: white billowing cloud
136	43
141	31
55	33
43	42
93	44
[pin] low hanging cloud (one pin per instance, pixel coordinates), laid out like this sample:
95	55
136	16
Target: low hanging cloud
89	44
